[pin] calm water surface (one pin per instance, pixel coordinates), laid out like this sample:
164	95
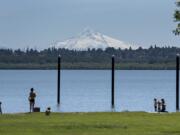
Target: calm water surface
87	90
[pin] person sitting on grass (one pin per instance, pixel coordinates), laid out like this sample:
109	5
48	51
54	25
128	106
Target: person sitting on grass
32	96
48	111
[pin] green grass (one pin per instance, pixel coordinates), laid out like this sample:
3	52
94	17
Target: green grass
125	123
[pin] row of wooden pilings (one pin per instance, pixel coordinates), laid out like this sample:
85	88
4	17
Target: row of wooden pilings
113	80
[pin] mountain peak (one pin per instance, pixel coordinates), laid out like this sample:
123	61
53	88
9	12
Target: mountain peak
91	39
88	32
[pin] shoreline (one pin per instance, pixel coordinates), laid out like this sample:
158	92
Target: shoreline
87	69
20	113
100	69
88	66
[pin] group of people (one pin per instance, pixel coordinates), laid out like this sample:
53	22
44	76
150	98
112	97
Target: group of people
159	105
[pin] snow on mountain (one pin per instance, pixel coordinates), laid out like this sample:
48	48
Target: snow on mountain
90	39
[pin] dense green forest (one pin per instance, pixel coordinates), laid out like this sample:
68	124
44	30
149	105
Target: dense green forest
152	58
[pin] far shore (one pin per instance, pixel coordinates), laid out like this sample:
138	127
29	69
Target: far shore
84	69
87	66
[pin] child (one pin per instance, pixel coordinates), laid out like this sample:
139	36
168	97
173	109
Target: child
159	106
48	111
163	105
155	104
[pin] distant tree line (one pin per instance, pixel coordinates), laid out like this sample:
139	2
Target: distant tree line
152	58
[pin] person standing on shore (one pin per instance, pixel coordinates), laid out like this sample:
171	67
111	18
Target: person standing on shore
155	104
159	106
163	109
32	96
0	108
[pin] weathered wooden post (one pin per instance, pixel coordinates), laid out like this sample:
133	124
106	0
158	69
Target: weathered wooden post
112	83
58	79
177	82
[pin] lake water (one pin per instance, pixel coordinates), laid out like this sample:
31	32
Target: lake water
87	90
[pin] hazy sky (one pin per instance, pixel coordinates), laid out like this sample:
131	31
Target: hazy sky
38	23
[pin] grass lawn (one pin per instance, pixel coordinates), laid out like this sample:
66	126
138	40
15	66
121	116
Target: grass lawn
124	123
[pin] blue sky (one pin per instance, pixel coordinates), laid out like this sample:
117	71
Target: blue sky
38	23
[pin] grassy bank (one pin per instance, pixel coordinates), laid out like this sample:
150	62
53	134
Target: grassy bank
90	124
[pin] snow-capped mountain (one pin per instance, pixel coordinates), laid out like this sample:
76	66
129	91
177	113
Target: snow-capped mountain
90	39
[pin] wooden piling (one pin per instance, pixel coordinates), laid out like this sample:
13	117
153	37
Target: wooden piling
58	79
177	82
112	82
